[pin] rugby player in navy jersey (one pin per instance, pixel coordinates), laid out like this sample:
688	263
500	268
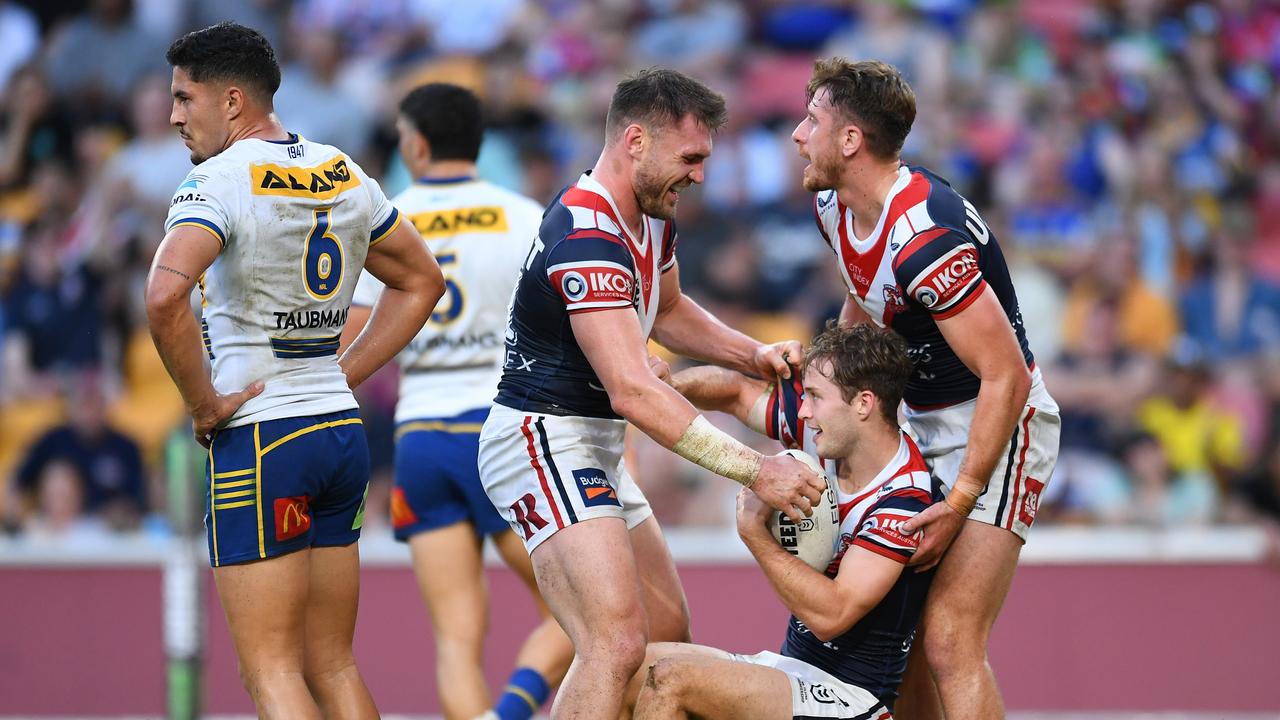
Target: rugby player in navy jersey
917	257
599	279
851	627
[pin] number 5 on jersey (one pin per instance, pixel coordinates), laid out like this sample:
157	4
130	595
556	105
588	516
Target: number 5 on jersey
322	258
448	310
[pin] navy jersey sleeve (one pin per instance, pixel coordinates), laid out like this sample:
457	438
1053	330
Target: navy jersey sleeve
881	530
669	239
782	413
939	269
592	270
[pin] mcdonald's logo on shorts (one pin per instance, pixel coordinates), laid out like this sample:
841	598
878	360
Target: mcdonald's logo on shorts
293	517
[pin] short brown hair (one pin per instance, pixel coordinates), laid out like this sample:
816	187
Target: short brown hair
661	97
863	357
873	95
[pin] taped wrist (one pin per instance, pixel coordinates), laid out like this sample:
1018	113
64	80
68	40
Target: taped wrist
706	445
961	498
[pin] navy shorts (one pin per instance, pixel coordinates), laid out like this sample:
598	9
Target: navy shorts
437	483
282	485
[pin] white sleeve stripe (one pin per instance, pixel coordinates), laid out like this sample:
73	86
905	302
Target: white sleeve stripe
591	305
583	218
928	272
587	264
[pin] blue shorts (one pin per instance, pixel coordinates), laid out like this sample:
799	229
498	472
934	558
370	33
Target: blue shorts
437	483
283	485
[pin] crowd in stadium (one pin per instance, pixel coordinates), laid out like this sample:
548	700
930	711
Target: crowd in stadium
1126	153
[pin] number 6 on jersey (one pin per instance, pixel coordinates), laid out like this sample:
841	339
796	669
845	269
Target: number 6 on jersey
322	259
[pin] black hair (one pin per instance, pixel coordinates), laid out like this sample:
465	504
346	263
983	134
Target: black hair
448	116
229	52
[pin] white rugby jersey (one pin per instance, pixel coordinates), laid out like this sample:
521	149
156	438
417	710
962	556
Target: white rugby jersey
295	219
480	234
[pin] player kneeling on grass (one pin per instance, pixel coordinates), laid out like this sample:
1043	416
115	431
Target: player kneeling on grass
851	626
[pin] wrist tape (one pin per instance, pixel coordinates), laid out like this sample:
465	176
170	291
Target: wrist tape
706	445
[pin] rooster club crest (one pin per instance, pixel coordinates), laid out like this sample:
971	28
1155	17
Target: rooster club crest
893	301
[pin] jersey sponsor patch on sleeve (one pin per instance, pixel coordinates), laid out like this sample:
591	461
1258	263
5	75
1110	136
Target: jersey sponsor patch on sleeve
948	280
199	202
593	285
882	533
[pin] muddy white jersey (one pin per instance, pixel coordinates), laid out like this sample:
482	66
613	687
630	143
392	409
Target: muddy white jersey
295	220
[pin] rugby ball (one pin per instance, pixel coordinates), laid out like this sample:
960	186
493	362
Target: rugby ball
814	538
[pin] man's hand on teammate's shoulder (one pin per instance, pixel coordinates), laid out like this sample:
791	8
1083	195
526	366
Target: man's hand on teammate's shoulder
207	417
939	525
660	369
753	516
788	485
779	358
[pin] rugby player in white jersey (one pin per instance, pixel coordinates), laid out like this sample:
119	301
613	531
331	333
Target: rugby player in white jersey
851	625
916	256
479	233
599	278
275	229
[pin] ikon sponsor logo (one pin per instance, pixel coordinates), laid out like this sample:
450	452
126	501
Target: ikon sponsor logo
949	278
293	517
890	528
595	488
575	286
611	283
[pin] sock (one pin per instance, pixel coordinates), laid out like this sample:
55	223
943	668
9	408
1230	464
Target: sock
524	694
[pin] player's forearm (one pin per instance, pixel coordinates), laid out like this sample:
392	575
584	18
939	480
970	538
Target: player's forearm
709	387
686	328
815	599
177	339
397	317
1000	402
653	407
662	414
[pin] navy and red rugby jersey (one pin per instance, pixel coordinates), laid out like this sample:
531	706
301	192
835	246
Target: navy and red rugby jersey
929	257
584	259
873	653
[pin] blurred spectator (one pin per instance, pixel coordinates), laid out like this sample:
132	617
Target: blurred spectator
312	103
1097	384
1201	442
52	313
1160	497
36	128
1230	311
142	176
97	58
59	515
107	465
1145	322
19	39
693	35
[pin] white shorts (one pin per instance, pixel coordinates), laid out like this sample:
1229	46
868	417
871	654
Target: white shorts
546	472
817	694
1026	464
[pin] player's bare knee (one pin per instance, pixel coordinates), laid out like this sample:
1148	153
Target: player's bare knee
622	650
666	678
321	674
954	648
